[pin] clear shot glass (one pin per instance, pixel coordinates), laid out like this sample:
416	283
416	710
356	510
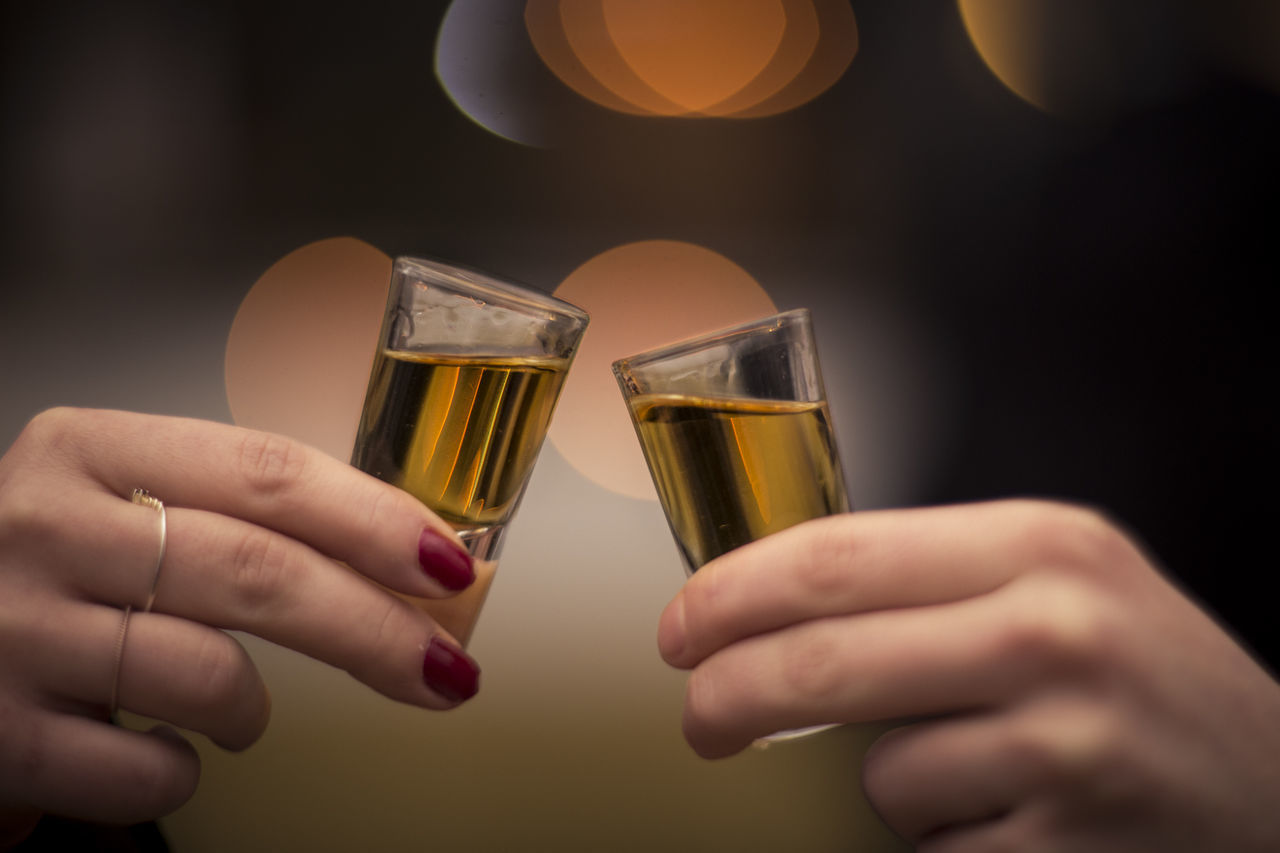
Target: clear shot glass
465	378
737	435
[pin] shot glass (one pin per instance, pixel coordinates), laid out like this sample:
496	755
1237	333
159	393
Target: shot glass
737	435
465	378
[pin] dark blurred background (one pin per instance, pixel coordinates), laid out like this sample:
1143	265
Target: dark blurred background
1094	279
1090	275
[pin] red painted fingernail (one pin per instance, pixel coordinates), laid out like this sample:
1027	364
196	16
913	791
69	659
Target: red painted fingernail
449	671
445	561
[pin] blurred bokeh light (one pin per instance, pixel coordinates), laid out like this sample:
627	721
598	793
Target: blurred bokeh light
486	66
640	295
301	346
690	58
1096	59
730	58
693	55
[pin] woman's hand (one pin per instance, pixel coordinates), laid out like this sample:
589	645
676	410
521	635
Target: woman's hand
256	529
1063	695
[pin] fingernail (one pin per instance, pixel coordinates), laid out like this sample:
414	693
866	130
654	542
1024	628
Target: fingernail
449	671
445	561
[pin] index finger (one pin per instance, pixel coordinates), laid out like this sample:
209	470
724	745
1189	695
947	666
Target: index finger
269	480
855	563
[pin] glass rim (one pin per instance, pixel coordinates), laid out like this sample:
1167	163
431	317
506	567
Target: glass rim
700	341
472	279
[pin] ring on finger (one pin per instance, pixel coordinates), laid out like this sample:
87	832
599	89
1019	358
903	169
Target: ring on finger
114	706
144	498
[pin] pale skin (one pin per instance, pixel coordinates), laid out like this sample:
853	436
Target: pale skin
265	535
1066	696
1055	691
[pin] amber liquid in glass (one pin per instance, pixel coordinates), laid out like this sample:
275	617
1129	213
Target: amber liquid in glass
461	433
729	471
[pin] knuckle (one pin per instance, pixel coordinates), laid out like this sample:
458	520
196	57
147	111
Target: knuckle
26	517
262	568
271	464
1062	626
1073	539
386	643
1068	746
53	427
381	504
51	434
823	569
395	620
812	668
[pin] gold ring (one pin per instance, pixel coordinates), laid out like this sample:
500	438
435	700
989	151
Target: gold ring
115	671
144	498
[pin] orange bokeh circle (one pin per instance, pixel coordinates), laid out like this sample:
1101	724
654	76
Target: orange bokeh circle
640	296
727	58
301	345
696	54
